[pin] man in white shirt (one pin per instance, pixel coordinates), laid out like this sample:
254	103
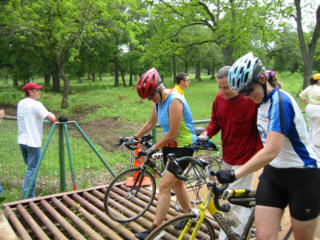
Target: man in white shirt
30	114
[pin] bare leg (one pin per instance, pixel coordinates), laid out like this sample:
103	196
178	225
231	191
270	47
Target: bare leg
268	221
182	196
166	184
304	230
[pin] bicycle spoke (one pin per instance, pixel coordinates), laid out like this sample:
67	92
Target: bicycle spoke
126	197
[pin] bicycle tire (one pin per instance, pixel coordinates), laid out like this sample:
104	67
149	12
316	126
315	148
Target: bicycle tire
124	203
196	179
168	231
215	162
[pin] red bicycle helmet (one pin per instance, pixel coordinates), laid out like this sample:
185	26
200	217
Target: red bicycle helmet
148	83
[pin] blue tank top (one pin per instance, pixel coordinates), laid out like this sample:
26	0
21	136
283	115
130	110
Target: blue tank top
186	135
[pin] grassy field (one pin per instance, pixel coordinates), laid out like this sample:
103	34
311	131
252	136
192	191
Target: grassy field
90	102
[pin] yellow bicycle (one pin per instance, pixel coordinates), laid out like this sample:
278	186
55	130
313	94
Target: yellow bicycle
197	225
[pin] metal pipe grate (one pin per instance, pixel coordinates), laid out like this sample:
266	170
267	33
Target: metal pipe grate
73	215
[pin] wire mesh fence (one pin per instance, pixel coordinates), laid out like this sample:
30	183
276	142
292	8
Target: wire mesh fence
76	165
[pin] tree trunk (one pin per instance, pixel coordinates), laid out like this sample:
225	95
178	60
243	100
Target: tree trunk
123	77
227	53
198	71
47	78
93	74
55	80
307	72
186	66
15	82
64	103
116	71
79	79
130	73
100	77
212	71
174	68
307	54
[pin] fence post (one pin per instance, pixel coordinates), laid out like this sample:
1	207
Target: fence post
61	159
73	176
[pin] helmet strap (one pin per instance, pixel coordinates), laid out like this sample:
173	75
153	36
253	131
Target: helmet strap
264	86
160	93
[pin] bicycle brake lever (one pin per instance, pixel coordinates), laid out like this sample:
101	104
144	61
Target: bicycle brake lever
128	145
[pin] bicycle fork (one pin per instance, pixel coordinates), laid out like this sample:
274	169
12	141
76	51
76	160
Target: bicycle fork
137	182
200	217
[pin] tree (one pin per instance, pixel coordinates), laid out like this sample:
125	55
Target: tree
286	53
55	29
308	51
232	23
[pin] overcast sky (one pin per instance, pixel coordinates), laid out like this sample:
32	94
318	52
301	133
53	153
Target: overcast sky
308	11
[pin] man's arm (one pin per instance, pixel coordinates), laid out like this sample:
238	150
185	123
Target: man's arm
213	128
2	113
51	117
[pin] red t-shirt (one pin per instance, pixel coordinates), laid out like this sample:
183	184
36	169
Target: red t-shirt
237	120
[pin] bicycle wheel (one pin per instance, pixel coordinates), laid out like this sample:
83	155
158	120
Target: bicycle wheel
129	195
215	162
196	180
169	231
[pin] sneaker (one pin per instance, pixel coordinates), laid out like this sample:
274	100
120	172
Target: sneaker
144	234
180	225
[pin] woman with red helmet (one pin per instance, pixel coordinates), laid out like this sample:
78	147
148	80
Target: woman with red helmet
172	112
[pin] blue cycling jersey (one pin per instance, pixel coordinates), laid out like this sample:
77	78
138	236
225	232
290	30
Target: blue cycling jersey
281	113
186	134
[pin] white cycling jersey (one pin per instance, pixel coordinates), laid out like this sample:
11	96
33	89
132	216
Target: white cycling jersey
281	113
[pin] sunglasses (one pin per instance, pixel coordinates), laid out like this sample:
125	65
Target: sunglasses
248	89
270	74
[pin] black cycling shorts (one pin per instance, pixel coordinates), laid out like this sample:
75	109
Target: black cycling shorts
297	187
178	152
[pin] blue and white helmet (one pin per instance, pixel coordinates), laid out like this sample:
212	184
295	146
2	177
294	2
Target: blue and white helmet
244	71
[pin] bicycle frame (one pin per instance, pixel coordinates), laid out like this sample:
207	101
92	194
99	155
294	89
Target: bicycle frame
208	204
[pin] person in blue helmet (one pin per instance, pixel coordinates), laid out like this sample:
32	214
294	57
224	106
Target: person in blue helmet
291	174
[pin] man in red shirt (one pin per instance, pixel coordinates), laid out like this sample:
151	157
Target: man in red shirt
236	117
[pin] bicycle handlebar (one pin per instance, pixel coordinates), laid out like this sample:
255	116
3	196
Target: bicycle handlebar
176	161
133	145
204	145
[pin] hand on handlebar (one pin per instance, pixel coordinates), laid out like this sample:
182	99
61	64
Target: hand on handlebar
147	153
226	176
202	138
130	139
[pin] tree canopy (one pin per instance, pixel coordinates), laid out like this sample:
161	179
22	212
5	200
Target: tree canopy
65	39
